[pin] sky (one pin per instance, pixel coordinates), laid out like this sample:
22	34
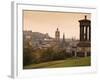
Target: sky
48	22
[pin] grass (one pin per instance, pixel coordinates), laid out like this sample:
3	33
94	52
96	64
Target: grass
70	62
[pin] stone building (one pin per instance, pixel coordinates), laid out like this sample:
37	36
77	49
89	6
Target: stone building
57	35
84	45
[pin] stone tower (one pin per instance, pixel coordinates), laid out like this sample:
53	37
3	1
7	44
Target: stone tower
85	29
63	37
84	45
57	35
63	41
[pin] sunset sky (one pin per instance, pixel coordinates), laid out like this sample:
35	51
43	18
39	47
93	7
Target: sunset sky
48	22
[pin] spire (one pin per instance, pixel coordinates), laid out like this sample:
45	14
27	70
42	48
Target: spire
63	41
63	37
85	17
57	29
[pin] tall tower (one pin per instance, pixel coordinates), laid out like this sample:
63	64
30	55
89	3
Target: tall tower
85	29
63	41
57	35
84	45
63	37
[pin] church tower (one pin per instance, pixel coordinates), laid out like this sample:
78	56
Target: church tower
63	41
63	37
57	35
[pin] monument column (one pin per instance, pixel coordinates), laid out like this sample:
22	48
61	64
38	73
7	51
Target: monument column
86	32
80	33
89	33
85	36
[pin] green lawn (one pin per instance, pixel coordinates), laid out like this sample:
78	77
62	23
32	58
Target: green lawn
70	62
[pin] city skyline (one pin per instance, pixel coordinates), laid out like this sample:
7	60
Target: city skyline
48	22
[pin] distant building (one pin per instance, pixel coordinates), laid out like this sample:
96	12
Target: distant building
57	35
84	46
27	39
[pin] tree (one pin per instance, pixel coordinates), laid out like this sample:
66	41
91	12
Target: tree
27	54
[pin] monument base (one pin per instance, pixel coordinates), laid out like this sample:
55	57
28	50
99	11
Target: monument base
84	48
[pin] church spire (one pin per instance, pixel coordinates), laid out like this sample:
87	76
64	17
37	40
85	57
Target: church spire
85	17
63	40
63	37
57	29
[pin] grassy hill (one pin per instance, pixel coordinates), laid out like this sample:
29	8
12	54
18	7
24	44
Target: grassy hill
70	62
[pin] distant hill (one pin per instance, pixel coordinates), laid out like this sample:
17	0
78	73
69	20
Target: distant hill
38	35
